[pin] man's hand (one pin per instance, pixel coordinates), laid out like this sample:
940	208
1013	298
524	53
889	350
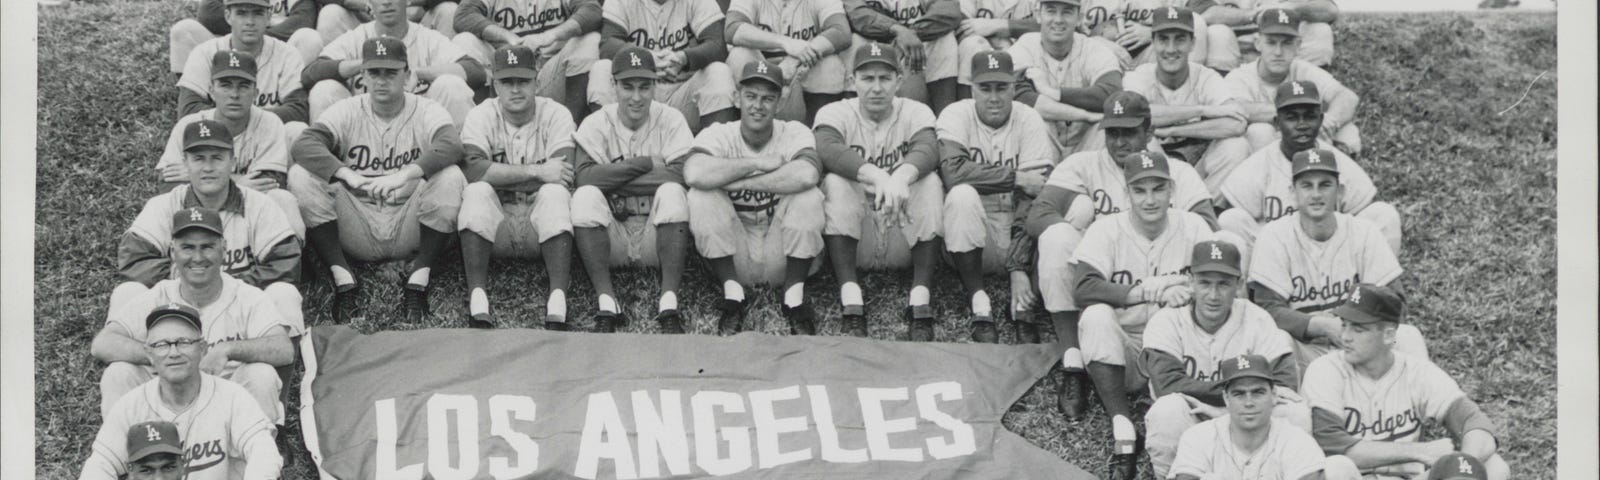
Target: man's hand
1203	409
1023	296
1030	182
1287	395
791	67
1227	110
358	6
983	27
175	173
1134	35
1323	325
538	42
906	40
216	359
799	50
259	181
556	170
1175	296
396	187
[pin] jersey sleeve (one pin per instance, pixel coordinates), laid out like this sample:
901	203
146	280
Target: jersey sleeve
261	317
153	225
1098	60
476	127
1359	191
1072	173
197	71
1021	55
1246	186
1097	249
1323	386
173	153
337	119
1038	155
1239	86
591	137
1379	266
713	141
802	146
269	226
1270	342
1161	333
1433	389
1300	455
1269	265
1142	81
559	127
1211	90
826	9
273	155
440	49
251	434
1189	189
676	141
837	115
108	455
1194	452
703	14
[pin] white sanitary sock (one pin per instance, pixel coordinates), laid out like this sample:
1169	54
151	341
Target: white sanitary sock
480	302
980	303
669	301
419	277
731	290
607	304
342	276
919	295
850	294
557	304
795	295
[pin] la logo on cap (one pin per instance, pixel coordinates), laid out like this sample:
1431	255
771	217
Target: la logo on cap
1298	90
1283	16
761	67
1312	157
151	434
993	62
1116	107
1172	12
875	51
1242	363
1216	253
381	50
1147	163
204	132
1355	295
511	57
194	215
1465	467
233	61
633	59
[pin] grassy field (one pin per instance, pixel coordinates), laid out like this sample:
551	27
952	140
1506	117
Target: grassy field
1473	175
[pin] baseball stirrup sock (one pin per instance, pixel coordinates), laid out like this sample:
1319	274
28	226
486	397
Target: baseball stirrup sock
919	295
341	276
1072	359
607	304
557	305
479	302
731	290
669	301
850	294
980	303
795	295
419	277
1124	434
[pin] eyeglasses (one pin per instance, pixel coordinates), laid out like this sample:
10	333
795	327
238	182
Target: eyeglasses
183	343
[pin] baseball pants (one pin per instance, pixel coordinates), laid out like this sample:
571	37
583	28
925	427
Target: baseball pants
1214	160
1169	417
974	221
450	91
1407	339
291	209
828	75
1382	214
575	57
630	222
370	230
285	299
1225	48
848	213
1057	245
334	20
260	379
708	90
1115	336
1347	139
941	56
188	33
719	231
517	222
441	18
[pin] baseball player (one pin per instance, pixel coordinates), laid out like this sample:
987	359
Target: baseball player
1068	77
1243	19
437	69
1187	349
247	336
1127	26
1256	83
1307	261
925	33
225	435
1261	189
1131	264
155	452
808	39
292	22
1368	400
685	40
993	163
515	148
1194	116
376	177
1250	441
880	153
758	213
989	25
277	67
564	34
630	206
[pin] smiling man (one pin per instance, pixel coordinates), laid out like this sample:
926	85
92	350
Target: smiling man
1067	76
1249	439
278	66
438	69
685	40
226	436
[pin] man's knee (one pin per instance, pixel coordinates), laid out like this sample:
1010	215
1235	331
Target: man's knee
1238	222
843	208
1496	468
717	91
1296	413
1260	135
117	380
1223	47
803	211
288	301
182	38
1408	339
713	223
1098	333
308	42
442	18
441	199
1165	423
552	211
590	208
324	94
125	292
480	210
1340	467
600	88
1387	218
670	204
474	47
454	95
926	208
1316	43
263	383
291	210
965	226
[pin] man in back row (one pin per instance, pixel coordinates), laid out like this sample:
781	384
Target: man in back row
437	69
686	41
563	34
277	67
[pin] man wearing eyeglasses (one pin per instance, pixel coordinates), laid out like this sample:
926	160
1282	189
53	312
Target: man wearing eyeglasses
244	336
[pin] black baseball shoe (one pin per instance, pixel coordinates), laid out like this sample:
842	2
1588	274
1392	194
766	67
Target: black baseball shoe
607	322
1072	395
802	319
1027	331
984	329
557	324
483	320
670	322
414	300
854	321
730	316
920	319
346	303
1125	466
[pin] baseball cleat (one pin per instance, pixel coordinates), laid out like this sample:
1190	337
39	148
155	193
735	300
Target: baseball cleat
730	318
1072	396
920	319
1125	466
346	300
1027	331
481	320
414	301
802	319
984	330
854	321
607	322
557	326
669	322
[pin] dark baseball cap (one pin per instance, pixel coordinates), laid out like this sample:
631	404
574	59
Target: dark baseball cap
196	217
1278	21
1215	256
1142	165
174	310
514	61
1457	466
207	133
1068	2
762	70
1297	93
1172	18
150	438
1125	109
1246	366
1371	304
633	62
383	52
1314	160
875	52
993	66
259	3
233	63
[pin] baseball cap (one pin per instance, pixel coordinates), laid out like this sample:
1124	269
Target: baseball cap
1369	303
1125	109
1278	21
1313	160
763	70
207	133
233	63
149	438
875	52
1297	93
514	61
1246	366
1215	256
1172	18
1142	165
196	217
633	62
174	310
1457	466
992	66
1068	2
383	52
261	3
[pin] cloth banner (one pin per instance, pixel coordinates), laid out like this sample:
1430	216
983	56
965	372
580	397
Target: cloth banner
472	404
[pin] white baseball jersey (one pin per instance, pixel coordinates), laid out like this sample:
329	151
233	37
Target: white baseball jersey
278	69
1248	330
1263	185
241	312
375	148
1112	247
250	234
219	430
1017	144
801	19
424	48
532	143
659	27
1314	275
280	9
261	147
790	140
1387	409
604	139
1113	15
1101	180
1001	9
527	17
1207	450
904	11
881	143
1246	85
1086	62
1203	87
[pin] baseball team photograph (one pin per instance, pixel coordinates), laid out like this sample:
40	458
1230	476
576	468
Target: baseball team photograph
932	239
